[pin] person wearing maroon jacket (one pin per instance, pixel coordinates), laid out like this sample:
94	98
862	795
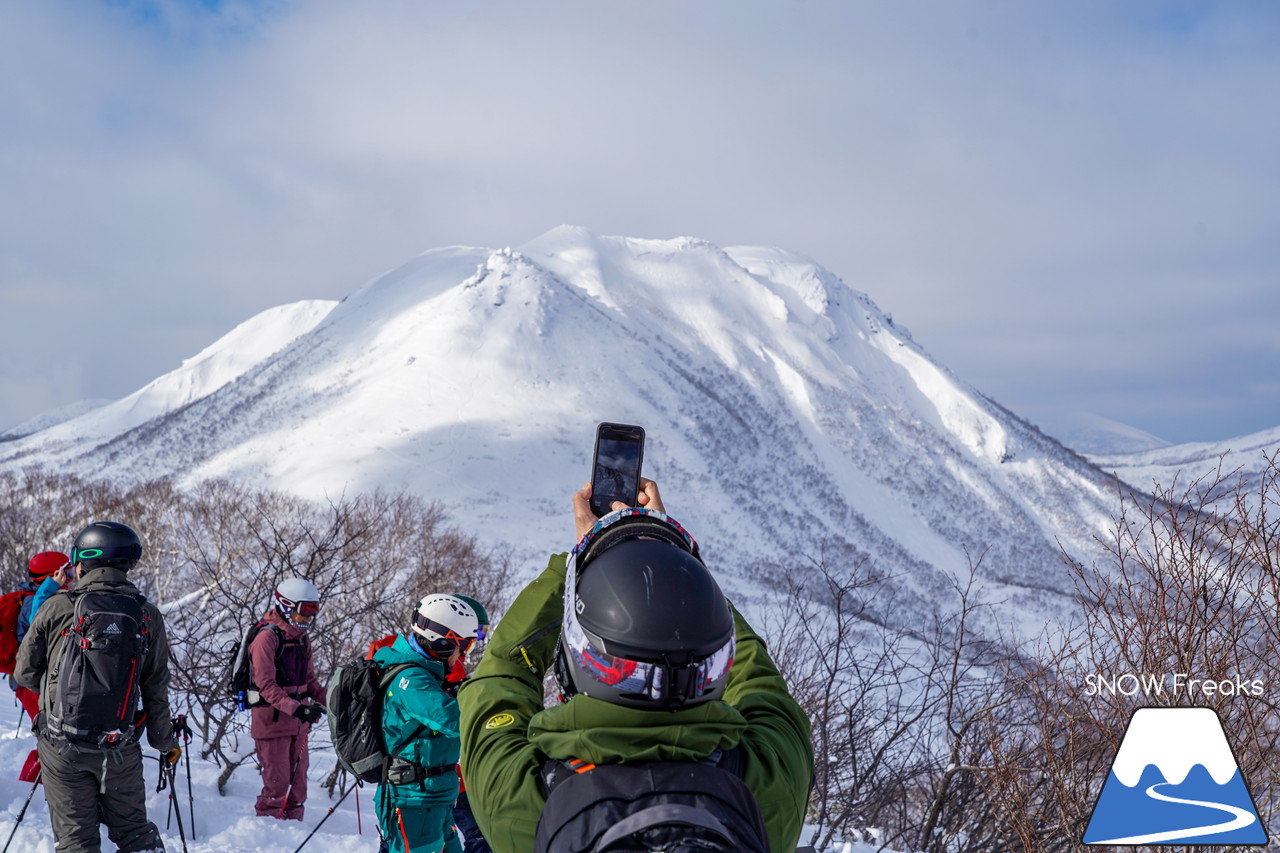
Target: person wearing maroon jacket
290	698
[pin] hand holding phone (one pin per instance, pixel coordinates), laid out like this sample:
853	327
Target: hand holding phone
615	466
584	518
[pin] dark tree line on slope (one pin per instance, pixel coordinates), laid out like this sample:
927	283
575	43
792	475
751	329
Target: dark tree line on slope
952	735
947	735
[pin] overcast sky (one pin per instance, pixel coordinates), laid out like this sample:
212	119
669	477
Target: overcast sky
1075	205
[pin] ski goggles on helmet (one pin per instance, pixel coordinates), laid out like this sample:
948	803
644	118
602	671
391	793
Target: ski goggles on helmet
659	681
304	608
116	552
444	632
616	526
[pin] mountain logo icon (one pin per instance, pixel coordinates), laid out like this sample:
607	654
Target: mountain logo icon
113	628
1175	779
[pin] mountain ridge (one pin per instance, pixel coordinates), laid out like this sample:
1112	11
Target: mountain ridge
790	420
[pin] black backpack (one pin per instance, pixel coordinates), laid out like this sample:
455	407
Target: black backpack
659	805
99	670
354	699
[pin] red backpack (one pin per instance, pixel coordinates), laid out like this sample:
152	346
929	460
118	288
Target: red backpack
10	604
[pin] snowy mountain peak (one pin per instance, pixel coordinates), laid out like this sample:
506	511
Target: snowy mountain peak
787	415
1174	740
215	366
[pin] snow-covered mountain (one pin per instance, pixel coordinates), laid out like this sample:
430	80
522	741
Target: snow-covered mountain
52	418
1178	466
1091	434
788	418
199	376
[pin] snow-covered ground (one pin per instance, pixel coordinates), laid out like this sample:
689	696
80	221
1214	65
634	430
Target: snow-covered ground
222	824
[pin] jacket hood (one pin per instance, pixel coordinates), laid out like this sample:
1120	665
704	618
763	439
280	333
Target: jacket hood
106	579
401	651
603	733
291	631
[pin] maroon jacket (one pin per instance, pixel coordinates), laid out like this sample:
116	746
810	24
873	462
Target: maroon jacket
276	719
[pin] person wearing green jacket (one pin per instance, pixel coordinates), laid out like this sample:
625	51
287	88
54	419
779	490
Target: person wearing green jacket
724	693
420	727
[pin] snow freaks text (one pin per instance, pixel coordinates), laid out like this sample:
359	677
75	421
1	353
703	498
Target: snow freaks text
1170	684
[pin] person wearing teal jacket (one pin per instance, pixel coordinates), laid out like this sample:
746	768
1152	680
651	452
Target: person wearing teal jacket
420	727
508	735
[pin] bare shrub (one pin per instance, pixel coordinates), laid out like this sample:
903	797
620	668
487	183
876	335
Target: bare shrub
895	712
215	554
930	735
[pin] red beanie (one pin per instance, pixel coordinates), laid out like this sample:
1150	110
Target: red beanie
46	563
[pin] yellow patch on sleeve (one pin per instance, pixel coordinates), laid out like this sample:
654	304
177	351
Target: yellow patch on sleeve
498	721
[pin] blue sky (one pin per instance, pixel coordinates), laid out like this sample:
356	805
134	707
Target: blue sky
1072	205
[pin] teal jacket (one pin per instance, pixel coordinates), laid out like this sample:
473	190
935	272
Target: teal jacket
418	714
507	734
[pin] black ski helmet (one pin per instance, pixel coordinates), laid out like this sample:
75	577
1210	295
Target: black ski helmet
107	543
645	623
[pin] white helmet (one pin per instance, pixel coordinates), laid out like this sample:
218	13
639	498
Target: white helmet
445	622
297	594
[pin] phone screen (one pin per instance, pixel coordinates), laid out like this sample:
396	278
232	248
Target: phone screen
616	474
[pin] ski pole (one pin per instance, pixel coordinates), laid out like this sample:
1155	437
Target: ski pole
184	729
284	801
326	815
23	812
191	798
177	809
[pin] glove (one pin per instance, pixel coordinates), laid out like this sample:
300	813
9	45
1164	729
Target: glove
309	713
181	728
171	757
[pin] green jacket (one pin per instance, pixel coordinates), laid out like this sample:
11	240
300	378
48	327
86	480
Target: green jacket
507	734
417	713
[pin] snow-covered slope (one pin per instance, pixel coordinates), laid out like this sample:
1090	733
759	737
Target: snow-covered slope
1180	465
213	367
52	418
1093	434
788	418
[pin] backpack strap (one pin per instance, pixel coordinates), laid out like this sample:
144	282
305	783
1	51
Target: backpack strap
281	642
667	813
554	771
388	676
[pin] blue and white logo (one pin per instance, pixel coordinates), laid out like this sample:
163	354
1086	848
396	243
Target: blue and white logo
1175	779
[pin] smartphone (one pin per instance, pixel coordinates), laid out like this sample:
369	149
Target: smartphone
615	468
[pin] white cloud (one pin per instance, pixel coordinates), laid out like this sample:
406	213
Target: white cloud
991	174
